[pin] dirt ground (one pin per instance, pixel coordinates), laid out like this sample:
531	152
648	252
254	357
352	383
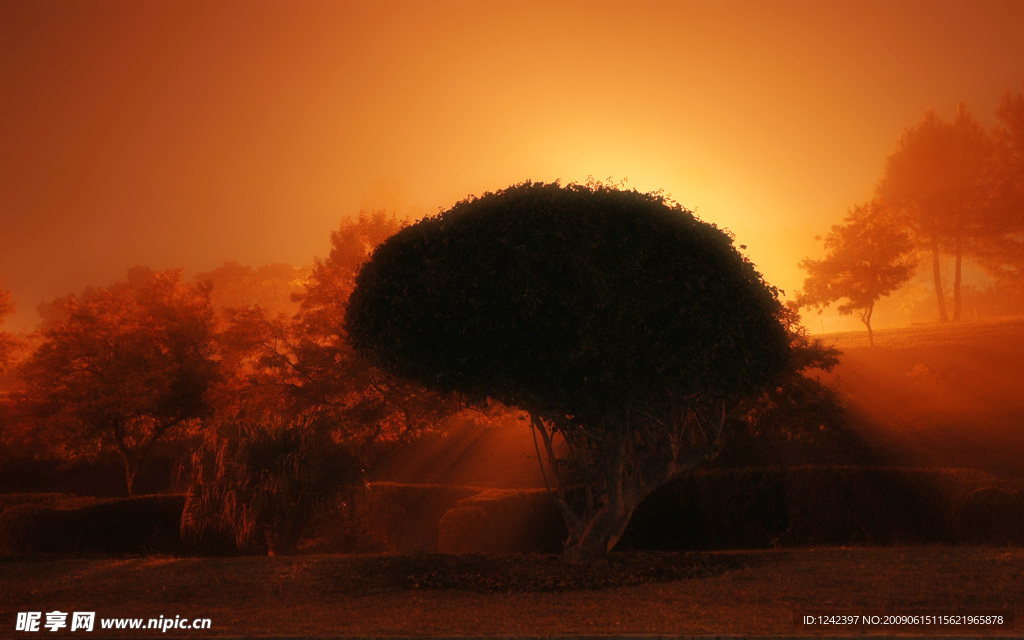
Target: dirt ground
728	593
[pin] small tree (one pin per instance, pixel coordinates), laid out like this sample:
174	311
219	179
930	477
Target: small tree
867	257
625	326
120	368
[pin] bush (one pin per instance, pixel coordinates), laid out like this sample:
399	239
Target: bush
991	515
265	483
409	516
127	526
503	521
757	508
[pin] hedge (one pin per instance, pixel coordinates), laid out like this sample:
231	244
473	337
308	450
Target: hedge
503	521
126	526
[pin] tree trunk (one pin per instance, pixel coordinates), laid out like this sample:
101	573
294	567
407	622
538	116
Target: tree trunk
956	280
600	535
937	275
597	507
130	469
865	317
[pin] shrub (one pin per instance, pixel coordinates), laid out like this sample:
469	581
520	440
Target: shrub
264	484
410	515
503	521
991	515
727	509
127	526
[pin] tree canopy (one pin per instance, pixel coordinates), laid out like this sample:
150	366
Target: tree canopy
120	367
940	179
622	323
567	300
7	341
1001	251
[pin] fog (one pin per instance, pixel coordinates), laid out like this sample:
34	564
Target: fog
188	134
939	396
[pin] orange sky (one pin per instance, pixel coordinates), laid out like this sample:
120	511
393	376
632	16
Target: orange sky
186	132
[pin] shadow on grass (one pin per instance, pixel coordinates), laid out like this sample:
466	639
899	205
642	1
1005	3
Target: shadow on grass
525	573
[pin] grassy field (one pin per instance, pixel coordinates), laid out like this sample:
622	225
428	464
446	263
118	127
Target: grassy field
756	593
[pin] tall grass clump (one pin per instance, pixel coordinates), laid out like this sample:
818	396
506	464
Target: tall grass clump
264	483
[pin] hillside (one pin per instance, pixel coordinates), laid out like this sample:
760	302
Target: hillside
938	395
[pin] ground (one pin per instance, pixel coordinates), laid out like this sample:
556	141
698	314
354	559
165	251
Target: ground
725	593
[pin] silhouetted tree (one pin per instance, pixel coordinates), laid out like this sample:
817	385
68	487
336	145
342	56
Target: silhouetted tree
940	179
799	420
7	341
626	327
866	258
120	367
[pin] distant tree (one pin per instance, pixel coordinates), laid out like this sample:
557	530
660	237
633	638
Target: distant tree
867	257
628	329
304	365
7	341
1001	251
270	287
940	179
123	366
8	345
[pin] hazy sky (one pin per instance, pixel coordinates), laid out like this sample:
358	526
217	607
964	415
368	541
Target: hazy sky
187	133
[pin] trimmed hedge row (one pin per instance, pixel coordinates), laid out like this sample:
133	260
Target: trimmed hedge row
757	508
761	508
714	509
56	500
388	517
126	526
503	521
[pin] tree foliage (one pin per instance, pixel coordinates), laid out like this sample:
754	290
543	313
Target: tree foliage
298	411
866	258
940	179
7	342
270	287
304	365
1001	250
624	325
121	367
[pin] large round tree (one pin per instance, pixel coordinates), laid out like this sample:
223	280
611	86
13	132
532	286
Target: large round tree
626	327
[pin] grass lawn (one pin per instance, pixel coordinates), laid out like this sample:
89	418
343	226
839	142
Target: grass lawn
729	593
